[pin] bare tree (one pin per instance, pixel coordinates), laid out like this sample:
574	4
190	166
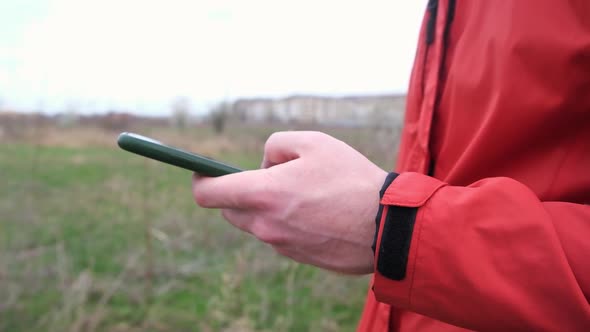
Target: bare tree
219	115
181	112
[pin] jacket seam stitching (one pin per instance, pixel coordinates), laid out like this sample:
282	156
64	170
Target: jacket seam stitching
419	219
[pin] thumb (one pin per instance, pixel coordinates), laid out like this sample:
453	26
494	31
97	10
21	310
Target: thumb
285	146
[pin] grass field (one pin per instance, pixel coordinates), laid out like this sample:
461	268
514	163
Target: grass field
96	239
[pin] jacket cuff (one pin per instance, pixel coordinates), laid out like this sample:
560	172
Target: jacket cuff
397	224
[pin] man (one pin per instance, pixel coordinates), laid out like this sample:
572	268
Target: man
485	225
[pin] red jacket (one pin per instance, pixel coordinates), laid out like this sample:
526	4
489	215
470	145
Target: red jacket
497	238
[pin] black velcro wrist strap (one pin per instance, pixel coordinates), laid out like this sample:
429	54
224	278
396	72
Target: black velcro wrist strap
388	180
395	238
395	241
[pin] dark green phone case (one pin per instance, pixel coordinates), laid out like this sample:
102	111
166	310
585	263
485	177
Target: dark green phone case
150	148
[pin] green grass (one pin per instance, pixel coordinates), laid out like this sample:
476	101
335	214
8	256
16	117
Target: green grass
93	238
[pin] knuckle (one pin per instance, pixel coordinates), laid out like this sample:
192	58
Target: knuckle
272	141
313	139
317	135
272	138
266	234
260	201
237	219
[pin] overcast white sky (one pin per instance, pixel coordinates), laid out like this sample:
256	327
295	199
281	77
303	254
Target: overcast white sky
132	54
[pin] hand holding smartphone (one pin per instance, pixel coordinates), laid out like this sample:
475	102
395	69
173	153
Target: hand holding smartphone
156	150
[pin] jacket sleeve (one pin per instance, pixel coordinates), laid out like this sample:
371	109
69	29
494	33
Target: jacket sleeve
489	256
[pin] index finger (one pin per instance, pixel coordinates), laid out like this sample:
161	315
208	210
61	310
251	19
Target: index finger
235	191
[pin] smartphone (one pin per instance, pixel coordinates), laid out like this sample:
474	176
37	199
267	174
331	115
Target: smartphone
153	149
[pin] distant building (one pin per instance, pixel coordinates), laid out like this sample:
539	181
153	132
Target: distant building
346	111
